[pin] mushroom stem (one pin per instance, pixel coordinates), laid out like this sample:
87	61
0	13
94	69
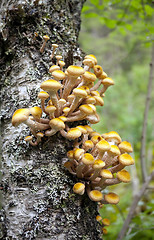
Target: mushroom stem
46	38
96	86
55	102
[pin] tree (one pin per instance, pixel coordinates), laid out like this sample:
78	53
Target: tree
37	199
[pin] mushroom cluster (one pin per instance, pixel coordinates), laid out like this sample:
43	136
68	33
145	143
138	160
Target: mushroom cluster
99	161
71	95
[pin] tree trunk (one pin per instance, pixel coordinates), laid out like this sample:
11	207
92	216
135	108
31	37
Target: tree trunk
38	202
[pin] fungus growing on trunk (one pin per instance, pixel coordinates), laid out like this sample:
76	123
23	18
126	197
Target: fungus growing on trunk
46	38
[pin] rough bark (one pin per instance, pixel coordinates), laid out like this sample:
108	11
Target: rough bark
38	202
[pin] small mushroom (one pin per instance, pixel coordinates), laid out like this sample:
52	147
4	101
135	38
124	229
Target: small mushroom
46	38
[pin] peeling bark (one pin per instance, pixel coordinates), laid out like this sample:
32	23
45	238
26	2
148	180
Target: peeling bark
38	202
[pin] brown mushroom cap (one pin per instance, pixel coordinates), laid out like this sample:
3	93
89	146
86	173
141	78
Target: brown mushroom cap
105	173
125	159
43	95
98	164
58	75
75	70
80	92
125	147
50	85
73	133
57	124
111	198
54	68
88	159
79	188
103	145
19	116
95	195
112	136
123	176
89	76
36	112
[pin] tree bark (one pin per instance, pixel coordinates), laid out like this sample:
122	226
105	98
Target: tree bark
38	202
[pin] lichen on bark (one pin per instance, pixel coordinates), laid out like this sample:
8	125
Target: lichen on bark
38	202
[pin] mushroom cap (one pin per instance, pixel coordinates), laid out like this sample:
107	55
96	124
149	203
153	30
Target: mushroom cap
86	109
88	144
79	188
43	95
57	123
88	159
75	71
70	154
46	37
99	100
103	145
78	153
40	134
80	92
86	88
95	195
89	76
62	101
98	164
50	109
74	133
66	110
82	129
105	173
125	147
96	138
62	63
95	93
106	221
98	70
36	112
114	150
104	75
28	138
63	118
54	68
58	75
108	81
89	129
104	230
90	100
54	45
125	159
19	116
98	218
112	136
50	85
91	56
89	62
111	198
123	176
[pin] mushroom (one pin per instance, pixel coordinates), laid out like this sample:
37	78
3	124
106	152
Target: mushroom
84	111
111	198
53	51
87	78
52	86
102	146
73	73
104	174
53	68
56	125
125	147
97	166
79	94
22	116
105	221
86	161
43	96
36	113
46	38
95	195
124	160
107	82
112	137
50	109
79	188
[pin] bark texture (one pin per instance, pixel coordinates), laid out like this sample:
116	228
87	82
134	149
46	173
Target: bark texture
38	202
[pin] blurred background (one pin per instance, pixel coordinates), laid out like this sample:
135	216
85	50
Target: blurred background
120	35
